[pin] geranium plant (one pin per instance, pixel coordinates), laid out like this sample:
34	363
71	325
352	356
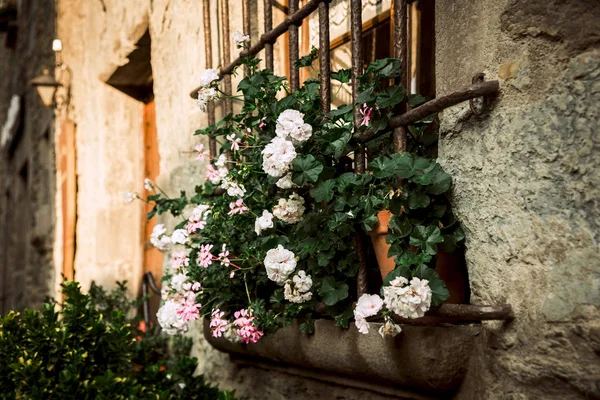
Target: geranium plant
270	235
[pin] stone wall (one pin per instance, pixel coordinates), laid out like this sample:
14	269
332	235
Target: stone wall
27	172
527	187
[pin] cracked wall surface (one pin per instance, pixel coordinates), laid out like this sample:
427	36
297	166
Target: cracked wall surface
527	187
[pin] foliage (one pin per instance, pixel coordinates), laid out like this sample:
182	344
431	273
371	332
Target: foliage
90	349
337	201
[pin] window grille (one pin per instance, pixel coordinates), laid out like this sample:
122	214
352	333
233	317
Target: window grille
296	15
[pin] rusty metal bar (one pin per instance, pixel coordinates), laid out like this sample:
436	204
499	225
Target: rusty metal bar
268	27
269	37
210	108
293	48
436	105
148	282
228	103
400	52
246	26
359	153
324	58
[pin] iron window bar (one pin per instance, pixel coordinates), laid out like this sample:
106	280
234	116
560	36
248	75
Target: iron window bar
399	123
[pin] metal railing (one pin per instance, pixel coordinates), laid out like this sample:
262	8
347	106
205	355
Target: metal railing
398	123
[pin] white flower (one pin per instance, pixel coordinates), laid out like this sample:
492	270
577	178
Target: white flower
278	156
130	196
368	305
362	325
301	291
302	281
221	161
285	182
208	77
169	320
389	328
233	188
265	221
279	263
408	301
179	236
201	211
290	123
177	282
240	39
158	237
206	95
290	210
148	185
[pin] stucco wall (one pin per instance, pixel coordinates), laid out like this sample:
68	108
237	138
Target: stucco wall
97	37
527	187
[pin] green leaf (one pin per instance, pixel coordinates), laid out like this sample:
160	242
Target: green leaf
407	164
439	292
415	100
307	60
426	238
398	228
306	168
368	222
382	167
391	96
366	97
343	75
332	291
417	199
441	182
385	68
323	192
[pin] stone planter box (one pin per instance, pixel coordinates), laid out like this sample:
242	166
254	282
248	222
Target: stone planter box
424	359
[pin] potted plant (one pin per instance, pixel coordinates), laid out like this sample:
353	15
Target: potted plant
280	241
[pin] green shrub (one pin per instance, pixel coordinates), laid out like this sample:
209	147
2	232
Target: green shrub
93	349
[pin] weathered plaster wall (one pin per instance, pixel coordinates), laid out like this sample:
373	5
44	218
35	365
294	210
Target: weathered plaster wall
97	37
527	187
27	185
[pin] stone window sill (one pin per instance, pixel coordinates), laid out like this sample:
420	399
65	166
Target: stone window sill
432	360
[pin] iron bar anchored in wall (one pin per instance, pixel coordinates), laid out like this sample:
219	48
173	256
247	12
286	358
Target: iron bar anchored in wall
399	123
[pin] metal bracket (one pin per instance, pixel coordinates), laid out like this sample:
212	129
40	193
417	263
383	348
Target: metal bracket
479	107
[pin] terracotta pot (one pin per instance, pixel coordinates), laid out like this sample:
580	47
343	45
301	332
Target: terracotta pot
450	266
378	234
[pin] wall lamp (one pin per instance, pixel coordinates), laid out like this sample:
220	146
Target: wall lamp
47	84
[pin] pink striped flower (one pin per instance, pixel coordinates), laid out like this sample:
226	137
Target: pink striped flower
237	207
205	255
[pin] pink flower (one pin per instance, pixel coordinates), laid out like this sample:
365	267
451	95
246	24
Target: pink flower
366	113
202	154
262	124
235	142
179	260
189	310
223	256
212	174
218	325
247	331
237	207
195	222
232	274
205	255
